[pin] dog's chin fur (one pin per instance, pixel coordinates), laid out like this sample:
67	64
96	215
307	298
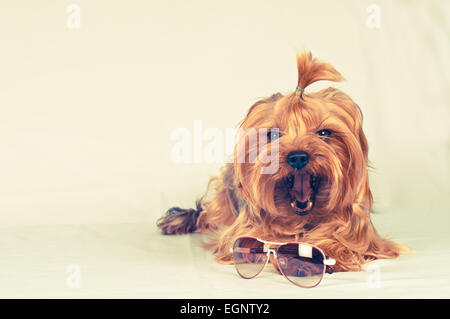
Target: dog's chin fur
335	216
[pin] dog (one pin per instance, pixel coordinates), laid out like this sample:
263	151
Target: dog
319	193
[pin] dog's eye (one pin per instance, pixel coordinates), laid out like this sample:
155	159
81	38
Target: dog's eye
324	133
273	134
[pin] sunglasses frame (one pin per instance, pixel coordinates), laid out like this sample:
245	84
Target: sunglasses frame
327	261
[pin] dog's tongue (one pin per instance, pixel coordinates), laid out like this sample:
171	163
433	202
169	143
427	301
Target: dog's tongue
301	189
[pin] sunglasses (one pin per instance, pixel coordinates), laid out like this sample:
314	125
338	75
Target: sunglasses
302	264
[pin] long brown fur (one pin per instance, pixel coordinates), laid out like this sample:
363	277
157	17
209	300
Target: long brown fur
244	202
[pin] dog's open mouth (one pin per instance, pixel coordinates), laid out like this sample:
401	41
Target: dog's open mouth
302	191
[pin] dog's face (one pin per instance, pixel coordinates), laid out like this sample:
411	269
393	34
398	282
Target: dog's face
320	150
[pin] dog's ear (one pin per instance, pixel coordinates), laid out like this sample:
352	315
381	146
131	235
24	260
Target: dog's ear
359	165
358	231
363	193
271	99
247	145
311	70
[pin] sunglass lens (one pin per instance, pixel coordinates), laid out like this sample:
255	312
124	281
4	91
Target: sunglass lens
250	256
301	264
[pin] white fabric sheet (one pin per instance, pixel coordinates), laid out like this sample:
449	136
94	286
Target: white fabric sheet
135	261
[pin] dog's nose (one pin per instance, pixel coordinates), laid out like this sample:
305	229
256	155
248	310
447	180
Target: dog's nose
298	159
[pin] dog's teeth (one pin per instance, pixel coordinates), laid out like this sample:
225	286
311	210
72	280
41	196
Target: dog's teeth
304	206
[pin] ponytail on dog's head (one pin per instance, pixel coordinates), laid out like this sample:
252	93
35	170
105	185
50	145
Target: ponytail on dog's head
311	70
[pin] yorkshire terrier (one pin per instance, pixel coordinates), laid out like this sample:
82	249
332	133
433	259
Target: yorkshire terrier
318	192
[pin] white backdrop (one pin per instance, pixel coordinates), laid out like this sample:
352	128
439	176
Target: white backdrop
86	116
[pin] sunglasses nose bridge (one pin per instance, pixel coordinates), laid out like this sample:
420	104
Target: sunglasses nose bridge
271	250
